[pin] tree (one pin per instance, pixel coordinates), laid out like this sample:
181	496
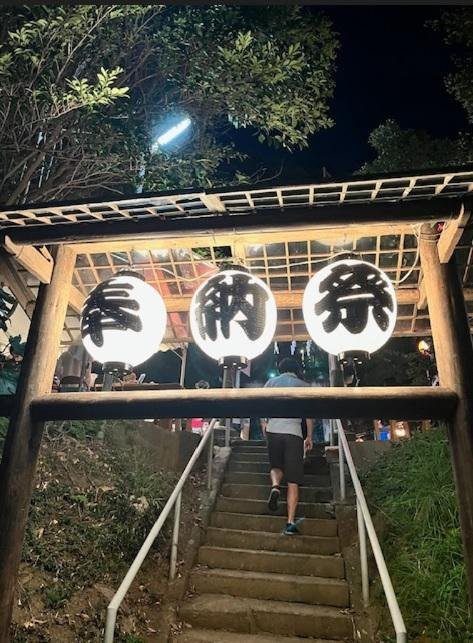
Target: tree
403	149
84	89
400	149
457	28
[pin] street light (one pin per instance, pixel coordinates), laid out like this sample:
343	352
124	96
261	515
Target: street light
169	133
123	322
350	308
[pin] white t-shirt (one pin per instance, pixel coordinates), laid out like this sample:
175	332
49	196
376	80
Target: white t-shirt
285	425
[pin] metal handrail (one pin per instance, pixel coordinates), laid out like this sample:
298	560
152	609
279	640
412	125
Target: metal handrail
174	499
365	524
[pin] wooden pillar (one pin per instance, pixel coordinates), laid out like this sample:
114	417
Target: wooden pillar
454	355
20	453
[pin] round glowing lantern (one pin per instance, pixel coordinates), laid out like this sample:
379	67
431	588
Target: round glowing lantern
233	316
350	308
123	322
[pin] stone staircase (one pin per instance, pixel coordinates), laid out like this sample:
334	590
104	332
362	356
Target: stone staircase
254	585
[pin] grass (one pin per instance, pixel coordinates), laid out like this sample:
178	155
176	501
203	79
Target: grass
413	488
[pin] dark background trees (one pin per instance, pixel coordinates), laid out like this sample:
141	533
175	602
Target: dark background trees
85	89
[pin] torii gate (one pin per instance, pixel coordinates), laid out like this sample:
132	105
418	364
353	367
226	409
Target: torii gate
234	218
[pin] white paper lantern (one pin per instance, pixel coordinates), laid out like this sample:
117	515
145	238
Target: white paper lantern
123	321
350	306
233	315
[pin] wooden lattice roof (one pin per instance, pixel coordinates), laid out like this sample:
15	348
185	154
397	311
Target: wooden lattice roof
284	259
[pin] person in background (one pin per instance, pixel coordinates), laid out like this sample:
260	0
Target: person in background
287	447
10	367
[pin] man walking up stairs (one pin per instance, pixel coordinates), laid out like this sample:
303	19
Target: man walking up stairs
253	584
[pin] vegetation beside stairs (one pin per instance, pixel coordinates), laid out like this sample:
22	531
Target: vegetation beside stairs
92	507
412	487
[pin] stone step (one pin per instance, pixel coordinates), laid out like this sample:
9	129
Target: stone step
261	492
254	477
193	635
272	561
267	541
260	508
250	522
270	586
250	615
246	447
242	456
263	467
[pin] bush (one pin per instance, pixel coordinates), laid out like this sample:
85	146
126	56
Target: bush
413	487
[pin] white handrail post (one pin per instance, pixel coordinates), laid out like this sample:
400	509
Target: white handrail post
210	458
175	537
110	624
227	431
365	583
341	466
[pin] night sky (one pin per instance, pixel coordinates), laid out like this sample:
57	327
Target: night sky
389	66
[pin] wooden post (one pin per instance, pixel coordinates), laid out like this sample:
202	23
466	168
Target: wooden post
454	355
20	453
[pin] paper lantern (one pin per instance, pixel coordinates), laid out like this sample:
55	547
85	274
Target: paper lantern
233	316
350	307
123	321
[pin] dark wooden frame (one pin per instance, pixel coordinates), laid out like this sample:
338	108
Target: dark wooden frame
33	403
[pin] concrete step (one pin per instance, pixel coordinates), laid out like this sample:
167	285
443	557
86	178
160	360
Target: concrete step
254	477
250	615
250	522
267	541
261	492
272	561
263	467
193	635
260	508
243	456
261	447
270	586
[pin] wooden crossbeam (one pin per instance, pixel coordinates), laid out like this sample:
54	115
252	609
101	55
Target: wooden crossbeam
417	402
449	237
40	265
13	279
328	217
284	300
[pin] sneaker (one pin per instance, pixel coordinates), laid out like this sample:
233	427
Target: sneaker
273	500
292	528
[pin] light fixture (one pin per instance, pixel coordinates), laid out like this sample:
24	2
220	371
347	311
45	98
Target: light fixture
171	133
123	322
423	347
350	308
233	316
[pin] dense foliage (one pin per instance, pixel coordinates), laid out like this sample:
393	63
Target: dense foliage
86	88
400	149
413	488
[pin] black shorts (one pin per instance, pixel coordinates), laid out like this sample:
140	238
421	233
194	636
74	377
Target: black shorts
286	452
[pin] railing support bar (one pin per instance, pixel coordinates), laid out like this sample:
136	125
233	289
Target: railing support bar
175	537
341	467
210	461
365	583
